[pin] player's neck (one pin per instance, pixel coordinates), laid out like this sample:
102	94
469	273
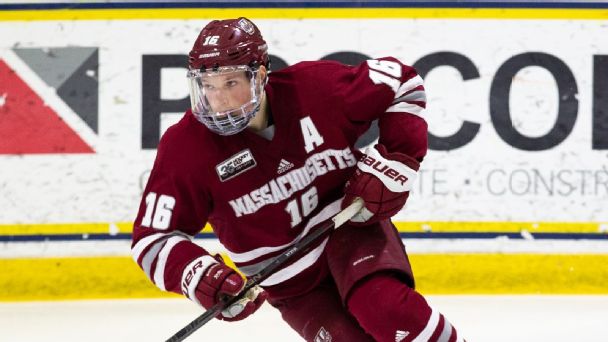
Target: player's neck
260	120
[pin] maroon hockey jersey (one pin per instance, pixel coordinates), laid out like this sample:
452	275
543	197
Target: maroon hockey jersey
260	195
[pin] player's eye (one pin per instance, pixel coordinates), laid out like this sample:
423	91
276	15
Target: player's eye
231	83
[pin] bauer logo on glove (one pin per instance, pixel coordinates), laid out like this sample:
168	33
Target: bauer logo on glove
372	164
207	279
383	180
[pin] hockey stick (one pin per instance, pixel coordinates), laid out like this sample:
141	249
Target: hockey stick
280	260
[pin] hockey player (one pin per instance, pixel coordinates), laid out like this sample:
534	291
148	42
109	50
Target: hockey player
264	158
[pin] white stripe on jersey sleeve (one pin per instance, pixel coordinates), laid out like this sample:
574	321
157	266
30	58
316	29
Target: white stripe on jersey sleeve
144	243
447	331
297	267
409	85
196	273
428	331
159	273
150	256
414	96
406	107
328	212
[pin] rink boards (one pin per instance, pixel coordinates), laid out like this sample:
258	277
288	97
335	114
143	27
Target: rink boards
97	265
512	197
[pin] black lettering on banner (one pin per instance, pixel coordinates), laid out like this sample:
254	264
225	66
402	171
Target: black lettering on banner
152	104
499	101
600	103
601	178
547	184
432	182
437	181
490	180
550	183
564	177
468	70
519	185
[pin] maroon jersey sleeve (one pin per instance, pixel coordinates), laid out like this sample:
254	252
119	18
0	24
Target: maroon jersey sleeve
174	208
387	90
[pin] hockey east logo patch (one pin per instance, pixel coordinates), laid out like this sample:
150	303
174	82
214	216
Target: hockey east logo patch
235	165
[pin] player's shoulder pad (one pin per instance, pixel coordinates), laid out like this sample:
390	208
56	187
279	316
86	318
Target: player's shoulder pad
188	133
305	65
408	71
310	70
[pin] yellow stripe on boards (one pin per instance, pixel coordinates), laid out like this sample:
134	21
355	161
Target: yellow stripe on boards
120	277
71	228
503	227
302	13
65	228
73	278
437	227
510	273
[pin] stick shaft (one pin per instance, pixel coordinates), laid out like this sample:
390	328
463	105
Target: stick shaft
338	220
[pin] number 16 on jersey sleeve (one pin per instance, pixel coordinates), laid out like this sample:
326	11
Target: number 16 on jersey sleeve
158	213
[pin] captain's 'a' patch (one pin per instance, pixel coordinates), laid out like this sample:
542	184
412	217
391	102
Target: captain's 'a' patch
235	165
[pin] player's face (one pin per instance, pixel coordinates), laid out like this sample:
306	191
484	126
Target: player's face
225	99
227	91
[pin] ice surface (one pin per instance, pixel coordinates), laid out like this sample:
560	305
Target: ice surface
478	318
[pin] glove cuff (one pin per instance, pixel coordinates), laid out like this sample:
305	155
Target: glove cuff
192	274
397	176
400	157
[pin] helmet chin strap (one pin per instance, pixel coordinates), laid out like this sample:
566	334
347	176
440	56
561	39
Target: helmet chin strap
270	120
254	124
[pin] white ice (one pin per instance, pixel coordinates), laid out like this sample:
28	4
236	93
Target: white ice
478	318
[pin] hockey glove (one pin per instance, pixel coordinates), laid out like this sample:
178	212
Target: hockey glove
207	279
383	180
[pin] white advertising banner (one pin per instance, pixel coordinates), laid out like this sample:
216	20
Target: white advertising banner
517	111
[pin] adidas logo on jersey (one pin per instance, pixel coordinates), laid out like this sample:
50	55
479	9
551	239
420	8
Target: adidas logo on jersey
284	165
400	335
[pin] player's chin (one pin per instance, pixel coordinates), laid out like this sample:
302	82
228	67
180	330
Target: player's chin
223	114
